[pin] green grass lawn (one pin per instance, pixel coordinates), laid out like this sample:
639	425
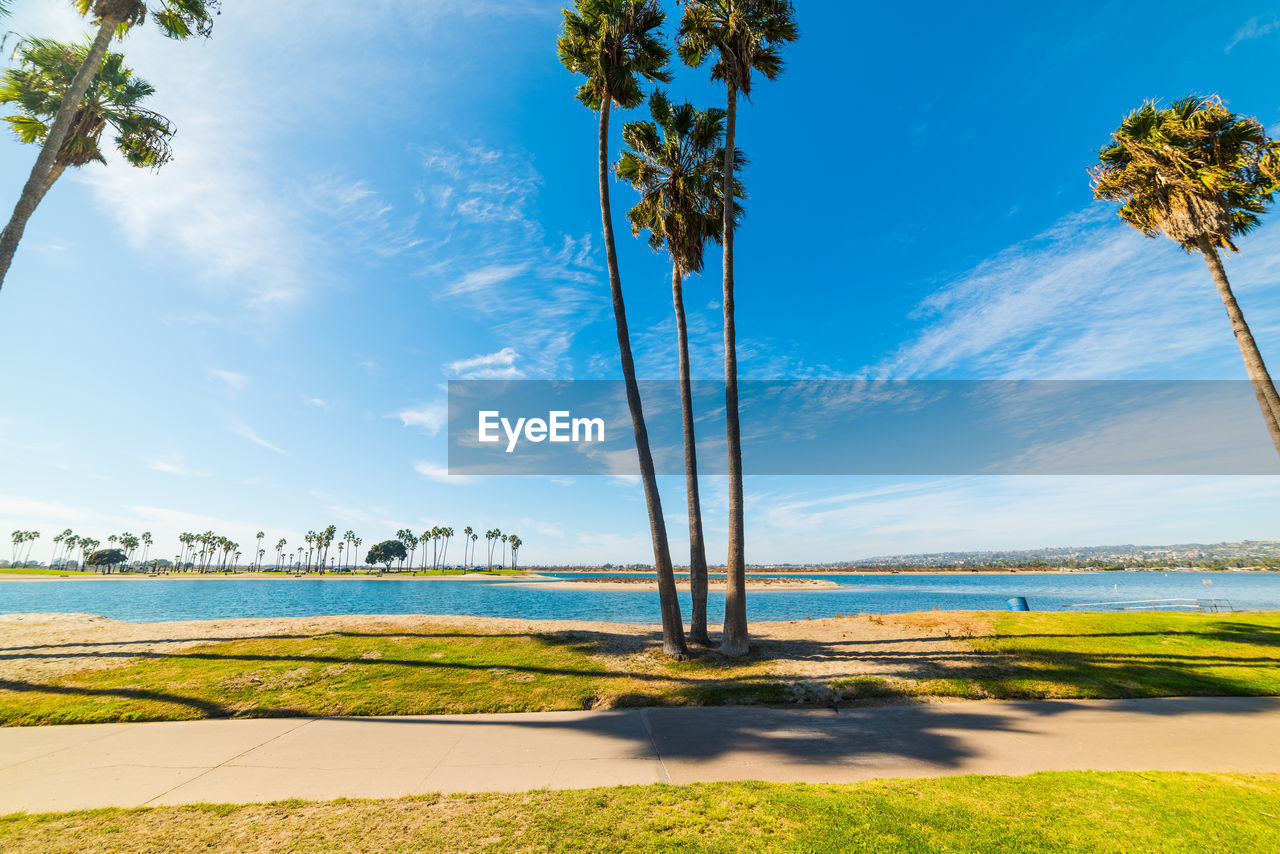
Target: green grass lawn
436	670
18	570
447	670
1047	812
1097	655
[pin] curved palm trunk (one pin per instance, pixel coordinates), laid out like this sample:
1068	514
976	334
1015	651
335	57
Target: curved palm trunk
1263	387
672	624
697	548
736	638
38	183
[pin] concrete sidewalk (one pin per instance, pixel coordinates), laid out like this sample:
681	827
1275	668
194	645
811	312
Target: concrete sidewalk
73	767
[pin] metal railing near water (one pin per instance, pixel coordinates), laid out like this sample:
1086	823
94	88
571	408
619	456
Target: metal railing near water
1206	606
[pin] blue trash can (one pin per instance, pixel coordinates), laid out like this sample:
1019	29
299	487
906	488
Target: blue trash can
1018	603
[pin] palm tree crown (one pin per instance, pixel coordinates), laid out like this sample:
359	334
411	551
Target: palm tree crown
676	162
614	43
746	35
39	83
1193	171
177	19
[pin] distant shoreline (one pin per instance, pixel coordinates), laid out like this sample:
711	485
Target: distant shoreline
921	571
539	576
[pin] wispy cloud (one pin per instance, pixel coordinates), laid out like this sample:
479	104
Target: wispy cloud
175	466
485	278
1088	299
440	474
245	431
929	515
234	382
1255	28
533	289
490	366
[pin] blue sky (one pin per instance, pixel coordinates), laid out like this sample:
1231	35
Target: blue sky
364	207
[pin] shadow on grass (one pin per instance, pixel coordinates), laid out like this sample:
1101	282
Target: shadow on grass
1015	666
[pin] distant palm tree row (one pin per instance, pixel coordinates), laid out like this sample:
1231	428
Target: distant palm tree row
212	552
686	166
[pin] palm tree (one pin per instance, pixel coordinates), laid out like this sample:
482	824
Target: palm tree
57	541
466	539
147	542
71	543
347	537
355	544
426	537
87	547
615	44
446	534
516	543
474	537
406	536
506	538
177	19
675	162
259	536
280	544
1201	175
39	85
747	36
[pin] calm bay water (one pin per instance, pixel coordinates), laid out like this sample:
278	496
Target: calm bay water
163	599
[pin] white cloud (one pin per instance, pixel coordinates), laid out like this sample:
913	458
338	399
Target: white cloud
440	474
318	403
1089	299
919	515
431	417
485	278
490	366
177	467
234	382
533	289
1255	28
245	431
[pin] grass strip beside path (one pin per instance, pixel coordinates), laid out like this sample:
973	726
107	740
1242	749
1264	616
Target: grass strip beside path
1046	812
1102	655
439	669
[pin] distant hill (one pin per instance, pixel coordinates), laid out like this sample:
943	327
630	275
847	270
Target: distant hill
1248	553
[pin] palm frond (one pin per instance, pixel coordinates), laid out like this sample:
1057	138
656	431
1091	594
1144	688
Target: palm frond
1193	170
676	163
38	84
614	44
746	37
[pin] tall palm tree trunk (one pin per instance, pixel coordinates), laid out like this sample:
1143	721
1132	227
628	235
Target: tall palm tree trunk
672	624
735	640
1263	387
697	548
38	182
